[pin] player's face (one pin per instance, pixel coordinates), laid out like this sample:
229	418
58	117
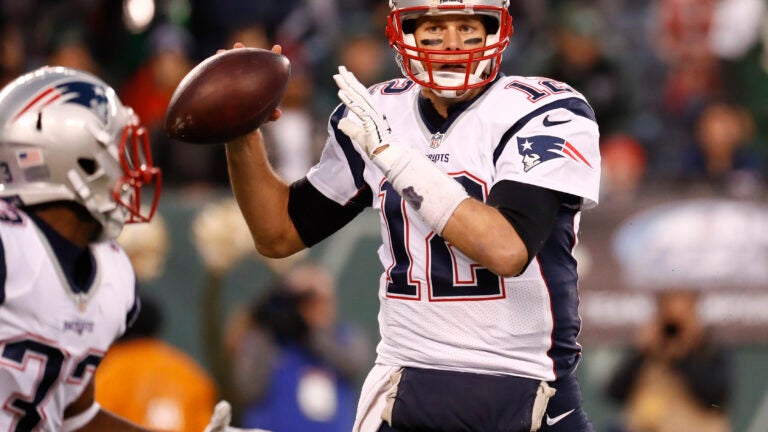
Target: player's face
446	33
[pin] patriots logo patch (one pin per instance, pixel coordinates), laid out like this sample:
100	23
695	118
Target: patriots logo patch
92	97
541	148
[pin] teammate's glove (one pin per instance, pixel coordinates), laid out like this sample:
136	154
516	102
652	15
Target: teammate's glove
221	417
375	131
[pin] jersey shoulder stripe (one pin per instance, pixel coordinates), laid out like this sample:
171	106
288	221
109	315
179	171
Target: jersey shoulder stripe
355	161
133	313
2	271
576	105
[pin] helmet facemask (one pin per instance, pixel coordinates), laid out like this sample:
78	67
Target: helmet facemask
422	64
124	183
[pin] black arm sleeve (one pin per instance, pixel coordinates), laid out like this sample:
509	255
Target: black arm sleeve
316	217
531	210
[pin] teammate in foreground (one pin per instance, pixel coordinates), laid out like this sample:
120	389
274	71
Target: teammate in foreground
73	164
479	180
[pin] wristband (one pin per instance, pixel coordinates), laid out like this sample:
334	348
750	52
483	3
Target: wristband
432	193
79	420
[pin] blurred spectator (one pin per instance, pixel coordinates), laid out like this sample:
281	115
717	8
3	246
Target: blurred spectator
311	29
624	167
736	26
677	378
69	49
250	35
152	383
296	367
367	56
221	238
13	54
737	39
150	89
147	246
683	43
142	377
581	61
721	155
296	140
306	28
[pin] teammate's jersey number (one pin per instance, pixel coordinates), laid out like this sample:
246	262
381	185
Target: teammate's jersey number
444	277
17	355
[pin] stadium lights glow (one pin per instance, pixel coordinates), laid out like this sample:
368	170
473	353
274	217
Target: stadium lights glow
138	14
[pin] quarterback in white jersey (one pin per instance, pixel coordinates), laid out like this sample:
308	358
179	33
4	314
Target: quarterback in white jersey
438	307
73	163
479	180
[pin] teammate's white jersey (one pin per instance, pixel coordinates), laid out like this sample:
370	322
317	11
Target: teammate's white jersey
51	338
438	308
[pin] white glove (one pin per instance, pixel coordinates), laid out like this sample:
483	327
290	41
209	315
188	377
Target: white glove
432	193
221	417
374	131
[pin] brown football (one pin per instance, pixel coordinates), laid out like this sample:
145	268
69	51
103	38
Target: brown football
227	95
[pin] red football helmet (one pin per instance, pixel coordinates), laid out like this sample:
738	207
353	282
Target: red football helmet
420	64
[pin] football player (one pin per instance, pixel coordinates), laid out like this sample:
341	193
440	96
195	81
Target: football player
479	180
73	165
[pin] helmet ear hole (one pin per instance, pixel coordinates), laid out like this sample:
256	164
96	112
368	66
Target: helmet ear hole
87	165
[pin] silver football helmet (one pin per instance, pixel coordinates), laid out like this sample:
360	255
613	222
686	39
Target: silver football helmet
65	136
420	64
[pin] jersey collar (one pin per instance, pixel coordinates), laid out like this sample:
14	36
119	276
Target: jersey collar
435	122
76	263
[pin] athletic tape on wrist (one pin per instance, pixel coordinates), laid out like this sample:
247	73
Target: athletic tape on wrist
420	182
78	421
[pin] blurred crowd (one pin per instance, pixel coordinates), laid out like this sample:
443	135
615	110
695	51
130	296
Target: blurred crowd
679	88
676	84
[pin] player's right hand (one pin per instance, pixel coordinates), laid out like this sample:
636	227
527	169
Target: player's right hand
374	132
221	417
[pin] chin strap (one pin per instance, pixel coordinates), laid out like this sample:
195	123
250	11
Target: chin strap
111	220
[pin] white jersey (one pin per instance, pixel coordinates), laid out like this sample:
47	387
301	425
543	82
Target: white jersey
438	308
51	338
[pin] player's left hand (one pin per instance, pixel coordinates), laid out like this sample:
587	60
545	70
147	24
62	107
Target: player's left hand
374	132
221	417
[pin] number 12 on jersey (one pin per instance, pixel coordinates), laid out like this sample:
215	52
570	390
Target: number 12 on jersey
450	276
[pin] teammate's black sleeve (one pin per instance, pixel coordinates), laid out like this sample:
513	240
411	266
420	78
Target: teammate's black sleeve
316	217
531	210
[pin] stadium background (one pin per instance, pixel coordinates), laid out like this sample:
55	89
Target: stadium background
714	231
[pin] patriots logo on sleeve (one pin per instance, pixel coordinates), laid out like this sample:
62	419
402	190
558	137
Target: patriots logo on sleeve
541	148
90	96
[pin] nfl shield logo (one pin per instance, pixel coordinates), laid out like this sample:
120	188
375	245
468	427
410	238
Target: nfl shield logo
436	140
